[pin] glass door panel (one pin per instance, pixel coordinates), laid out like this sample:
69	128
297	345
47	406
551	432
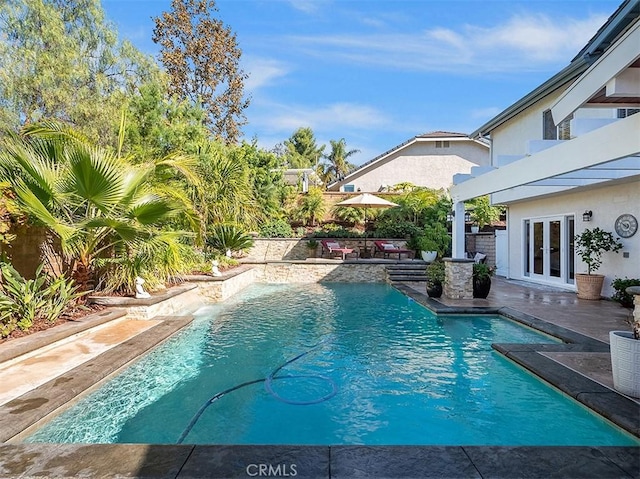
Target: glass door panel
554	249
538	248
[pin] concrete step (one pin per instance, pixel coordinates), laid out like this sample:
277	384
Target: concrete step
410	278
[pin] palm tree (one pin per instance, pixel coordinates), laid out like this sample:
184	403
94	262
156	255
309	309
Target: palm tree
338	165
95	202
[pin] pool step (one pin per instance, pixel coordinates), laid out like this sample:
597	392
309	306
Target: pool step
409	272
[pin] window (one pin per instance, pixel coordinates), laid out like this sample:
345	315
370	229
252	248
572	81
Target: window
625	112
442	144
349	188
552	132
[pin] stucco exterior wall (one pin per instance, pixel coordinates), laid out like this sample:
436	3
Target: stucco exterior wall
606	203
421	164
512	137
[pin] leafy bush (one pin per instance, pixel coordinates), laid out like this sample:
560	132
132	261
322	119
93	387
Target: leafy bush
276	229
396	229
482	271
331	230
621	296
591	244
226	237
435	272
22	301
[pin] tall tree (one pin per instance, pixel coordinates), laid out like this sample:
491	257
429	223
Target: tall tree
61	59
302	150
337	161
201	55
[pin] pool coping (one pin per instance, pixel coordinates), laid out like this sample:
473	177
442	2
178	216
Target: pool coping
148	460
217	462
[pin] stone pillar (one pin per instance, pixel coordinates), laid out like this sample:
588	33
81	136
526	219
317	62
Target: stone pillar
458	278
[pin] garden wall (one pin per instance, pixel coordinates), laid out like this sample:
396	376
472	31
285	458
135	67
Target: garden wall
306	272
482	243
295	249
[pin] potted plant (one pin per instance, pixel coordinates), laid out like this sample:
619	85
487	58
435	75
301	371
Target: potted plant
312	246
625	351
590	245
482	274
433	242
435	279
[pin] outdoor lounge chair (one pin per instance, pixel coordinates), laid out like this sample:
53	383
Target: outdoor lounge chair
333	248
389	248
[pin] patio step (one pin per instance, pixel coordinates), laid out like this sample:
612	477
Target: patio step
406	272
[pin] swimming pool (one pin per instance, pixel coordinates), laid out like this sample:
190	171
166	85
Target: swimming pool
332	364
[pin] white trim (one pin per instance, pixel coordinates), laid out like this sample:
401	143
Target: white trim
610	64
591	149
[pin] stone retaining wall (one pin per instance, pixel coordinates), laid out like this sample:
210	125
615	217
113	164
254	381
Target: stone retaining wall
304	272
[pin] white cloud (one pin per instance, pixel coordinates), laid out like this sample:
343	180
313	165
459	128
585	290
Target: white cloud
523	42
485	113
308	6
263	72
284	118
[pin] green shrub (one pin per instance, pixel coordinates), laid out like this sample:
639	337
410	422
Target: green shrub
621	296
225	237
22	301
276	229
396	229
435	272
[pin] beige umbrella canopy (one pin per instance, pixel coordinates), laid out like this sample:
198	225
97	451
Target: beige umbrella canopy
366	200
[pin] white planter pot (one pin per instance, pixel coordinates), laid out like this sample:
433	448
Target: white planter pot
625	362
429	256
475	229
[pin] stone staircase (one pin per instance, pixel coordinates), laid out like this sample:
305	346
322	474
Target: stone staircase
407	272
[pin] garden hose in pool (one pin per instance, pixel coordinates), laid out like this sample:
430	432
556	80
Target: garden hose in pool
268	381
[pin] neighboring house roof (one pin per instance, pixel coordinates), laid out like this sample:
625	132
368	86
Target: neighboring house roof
613	28
431	136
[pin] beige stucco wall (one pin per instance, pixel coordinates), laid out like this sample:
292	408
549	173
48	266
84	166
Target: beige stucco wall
512	137
606	203
422	164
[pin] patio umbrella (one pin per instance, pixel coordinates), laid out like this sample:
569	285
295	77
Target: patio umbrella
366	200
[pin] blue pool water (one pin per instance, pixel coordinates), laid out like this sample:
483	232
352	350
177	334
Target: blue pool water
370	365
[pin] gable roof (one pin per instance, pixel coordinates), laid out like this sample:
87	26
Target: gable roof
612	29
425	137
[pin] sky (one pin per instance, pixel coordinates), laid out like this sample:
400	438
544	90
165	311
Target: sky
379	72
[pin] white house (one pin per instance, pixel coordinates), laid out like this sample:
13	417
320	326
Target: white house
428	160
567	157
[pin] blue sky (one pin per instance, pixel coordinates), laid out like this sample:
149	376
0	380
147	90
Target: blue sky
379	72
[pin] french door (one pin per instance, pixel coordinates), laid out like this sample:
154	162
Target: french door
549	249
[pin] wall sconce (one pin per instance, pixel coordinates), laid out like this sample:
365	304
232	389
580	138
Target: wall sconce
452	214
586	216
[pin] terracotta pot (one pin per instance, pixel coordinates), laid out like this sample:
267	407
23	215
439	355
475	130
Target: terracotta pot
589	285
625	362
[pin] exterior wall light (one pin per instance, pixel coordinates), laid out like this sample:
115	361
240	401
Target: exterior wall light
586	216
452	214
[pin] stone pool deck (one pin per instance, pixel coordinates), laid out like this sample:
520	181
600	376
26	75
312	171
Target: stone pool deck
584	325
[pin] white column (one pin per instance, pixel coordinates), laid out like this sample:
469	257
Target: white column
457	231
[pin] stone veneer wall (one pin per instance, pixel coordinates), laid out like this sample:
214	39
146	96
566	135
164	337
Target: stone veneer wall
458	282
295	249
303	272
